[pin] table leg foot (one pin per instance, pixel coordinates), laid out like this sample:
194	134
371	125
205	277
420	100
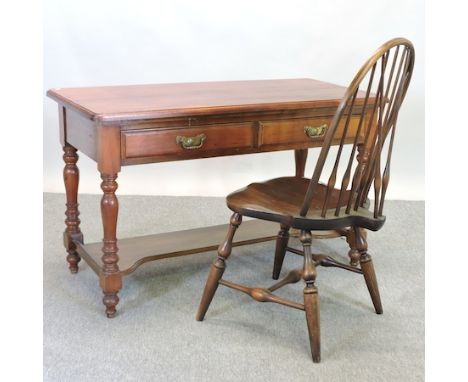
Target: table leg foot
111	283
110	301
73	260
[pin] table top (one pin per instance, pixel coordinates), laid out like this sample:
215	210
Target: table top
132	102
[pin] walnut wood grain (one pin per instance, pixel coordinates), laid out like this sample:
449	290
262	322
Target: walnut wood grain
280	200
136	251
289	131
82	133
157	142
110	277
300	159
142	102
71	178
235	124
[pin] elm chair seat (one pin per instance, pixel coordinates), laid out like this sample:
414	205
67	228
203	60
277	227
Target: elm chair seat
280	200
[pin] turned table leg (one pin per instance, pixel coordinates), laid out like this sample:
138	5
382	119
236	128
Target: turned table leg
110	276
71	177
300	157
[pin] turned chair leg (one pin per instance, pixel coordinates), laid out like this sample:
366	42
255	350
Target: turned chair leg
360	252
218	267
371	282
280	251
311	297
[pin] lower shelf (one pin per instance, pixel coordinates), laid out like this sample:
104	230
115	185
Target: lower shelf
138	250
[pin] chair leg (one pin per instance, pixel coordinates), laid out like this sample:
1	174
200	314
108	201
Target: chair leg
371	282
280	251
353	254
218	267
311	297
368	270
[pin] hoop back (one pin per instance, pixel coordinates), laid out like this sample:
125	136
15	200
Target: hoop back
354	161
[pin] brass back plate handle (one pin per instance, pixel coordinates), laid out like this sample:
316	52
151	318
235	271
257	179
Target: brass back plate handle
191	143
315	131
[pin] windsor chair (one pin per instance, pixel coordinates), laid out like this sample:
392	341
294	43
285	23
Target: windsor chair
337	195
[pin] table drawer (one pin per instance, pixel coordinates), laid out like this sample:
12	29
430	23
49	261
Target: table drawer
302	130
191	142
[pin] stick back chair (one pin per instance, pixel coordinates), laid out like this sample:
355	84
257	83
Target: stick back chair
348	168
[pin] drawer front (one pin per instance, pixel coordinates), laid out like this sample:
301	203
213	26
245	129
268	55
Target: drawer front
189	142
307	131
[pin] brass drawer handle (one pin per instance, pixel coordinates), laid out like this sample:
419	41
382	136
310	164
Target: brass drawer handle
191	143
315	131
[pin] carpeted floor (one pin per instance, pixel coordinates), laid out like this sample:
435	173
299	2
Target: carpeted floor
155	337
